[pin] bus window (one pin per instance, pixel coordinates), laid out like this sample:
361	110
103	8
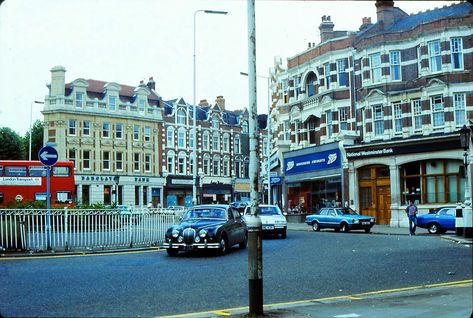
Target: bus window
1	171
15	171
60	171
63	196
40	196
37	171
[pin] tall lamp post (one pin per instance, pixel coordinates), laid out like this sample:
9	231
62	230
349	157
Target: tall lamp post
31	124
194	117
466	218
268	128
116	179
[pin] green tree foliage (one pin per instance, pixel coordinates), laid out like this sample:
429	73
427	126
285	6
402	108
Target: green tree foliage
11	145
36	140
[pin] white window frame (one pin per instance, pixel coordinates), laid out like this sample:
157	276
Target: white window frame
147	133
181	163
148	162
86	128
435	56
216	141
327	71
329	124
72	130
397	114
170	162
136	132
79	100
181	117
416	105
459	104
343	118
215	122
438	111
106	160
237	144
206	140
112	102
181	138
170	137
342	73
395	65
106	130
375	68
226	142
119	161
136	161
87	160
456	49
378	120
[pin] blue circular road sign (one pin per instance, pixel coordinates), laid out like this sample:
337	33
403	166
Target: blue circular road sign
48	156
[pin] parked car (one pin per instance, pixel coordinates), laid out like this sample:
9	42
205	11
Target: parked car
209	226
438	220
272	219
344	219
240	205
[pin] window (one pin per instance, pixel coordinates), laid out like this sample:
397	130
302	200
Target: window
206	140
147	162
226	166
378	120
236	144
112	102
147	133
119	161
438	115
310	86
329	124
181	163
417	113
375	68
79	100
37	171
216	166
141	104
286	130
343	118
246	168
106	160
311	131
265	147
136	132
327	75
72	127
435	58
170	137
215	122
86	159
238	168
191	138
459	106
206	165
59	171
106	130
191	163
245	127
297	127
15	171
226	142
181	117
72	156
397	111
395	65
170	162
216	142
118	131
456	49
181	138
136	161
86	128
342	72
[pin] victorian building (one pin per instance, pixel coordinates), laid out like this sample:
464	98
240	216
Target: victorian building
371	118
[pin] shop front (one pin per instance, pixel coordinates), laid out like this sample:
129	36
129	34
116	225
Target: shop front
217	193
178	191
312	179
385	177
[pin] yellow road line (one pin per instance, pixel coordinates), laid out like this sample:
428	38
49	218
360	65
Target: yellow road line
79	254
229	311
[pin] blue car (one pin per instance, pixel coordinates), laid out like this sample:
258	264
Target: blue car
340	219
438	220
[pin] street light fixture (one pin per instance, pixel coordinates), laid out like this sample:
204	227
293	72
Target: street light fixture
116	179
194	126
31	124
268	127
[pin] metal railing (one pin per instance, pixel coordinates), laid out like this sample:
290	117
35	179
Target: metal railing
74	229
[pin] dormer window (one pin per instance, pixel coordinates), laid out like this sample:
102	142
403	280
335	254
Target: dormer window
215	122
79	100
245	127
181	117
112	102
141	104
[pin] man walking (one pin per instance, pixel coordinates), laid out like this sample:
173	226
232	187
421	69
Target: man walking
411	211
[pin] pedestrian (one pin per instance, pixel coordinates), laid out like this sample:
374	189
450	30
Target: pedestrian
411	211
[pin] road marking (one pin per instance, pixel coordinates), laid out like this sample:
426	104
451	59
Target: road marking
79	254
347	316
222	313
237	310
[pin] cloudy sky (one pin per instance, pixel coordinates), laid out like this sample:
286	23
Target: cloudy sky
126	41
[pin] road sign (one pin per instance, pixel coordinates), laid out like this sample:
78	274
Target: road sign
48	156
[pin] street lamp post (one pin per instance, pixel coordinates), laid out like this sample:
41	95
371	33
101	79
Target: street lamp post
463	222
31	124
116	179
194	117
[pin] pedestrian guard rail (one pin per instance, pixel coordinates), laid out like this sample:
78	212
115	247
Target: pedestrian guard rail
80	229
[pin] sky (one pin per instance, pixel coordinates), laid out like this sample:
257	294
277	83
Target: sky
126	41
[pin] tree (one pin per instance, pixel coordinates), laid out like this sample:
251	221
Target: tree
11	145
36	140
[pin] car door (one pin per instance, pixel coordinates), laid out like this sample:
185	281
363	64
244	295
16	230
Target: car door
332	218
240	228
447	218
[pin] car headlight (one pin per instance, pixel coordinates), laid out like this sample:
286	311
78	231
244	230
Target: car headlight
372	220
197	239
180	239
202	233
175	233
356	221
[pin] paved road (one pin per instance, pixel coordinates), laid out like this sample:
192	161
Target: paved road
306	265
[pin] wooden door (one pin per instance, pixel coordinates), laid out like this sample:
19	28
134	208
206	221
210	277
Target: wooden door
383	204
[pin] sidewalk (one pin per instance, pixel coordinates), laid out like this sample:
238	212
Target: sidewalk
388	230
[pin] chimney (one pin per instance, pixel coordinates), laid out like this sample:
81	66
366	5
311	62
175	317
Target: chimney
326	28
151	84
385	12
203	103
58	81
365	22
220	102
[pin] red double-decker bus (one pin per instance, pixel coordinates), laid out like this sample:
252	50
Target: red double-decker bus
25	182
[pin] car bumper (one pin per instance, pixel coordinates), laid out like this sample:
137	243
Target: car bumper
190	247
269	228
360	226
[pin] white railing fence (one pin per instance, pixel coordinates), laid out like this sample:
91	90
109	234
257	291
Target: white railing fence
74	229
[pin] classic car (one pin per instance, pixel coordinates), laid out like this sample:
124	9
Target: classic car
272	219
438	220
344	219
212	226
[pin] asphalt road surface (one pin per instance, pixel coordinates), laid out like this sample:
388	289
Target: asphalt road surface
306	265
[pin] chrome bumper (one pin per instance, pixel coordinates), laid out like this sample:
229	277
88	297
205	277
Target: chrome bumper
184	246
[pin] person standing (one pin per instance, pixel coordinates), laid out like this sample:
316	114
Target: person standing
411	211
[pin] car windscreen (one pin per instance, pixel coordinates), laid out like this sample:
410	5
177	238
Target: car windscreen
268	211
207	213
346	211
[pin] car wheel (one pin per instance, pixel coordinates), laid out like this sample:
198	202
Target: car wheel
244	244
345	227
368	230
315	226
223	245
283	234
434	228
172	251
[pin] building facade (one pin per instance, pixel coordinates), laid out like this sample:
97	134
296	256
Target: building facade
392	97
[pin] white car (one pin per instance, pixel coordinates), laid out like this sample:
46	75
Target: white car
272	219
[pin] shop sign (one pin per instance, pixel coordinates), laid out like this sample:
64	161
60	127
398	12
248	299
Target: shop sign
370	153
97	178
329	159
276	180
182	181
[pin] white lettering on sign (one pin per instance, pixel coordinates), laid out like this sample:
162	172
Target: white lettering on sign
364	153
20	181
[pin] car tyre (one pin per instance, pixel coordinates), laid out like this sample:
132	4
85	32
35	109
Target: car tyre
172	251
223	245
315	226
345	228
283	234
434	228
368	230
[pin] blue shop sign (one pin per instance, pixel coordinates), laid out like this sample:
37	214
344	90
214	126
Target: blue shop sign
276	180
314	161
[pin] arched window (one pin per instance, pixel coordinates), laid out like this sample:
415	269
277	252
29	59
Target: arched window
310	84
181	117
170	137
226	166
216	165
236	144
181	137
181	163
205	140
226	142
216	141
215	122
170	162
191	138
238	167
206	165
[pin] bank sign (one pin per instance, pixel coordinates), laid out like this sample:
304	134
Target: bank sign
330	159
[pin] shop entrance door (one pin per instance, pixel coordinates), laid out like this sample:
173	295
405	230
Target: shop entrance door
375	193
383	215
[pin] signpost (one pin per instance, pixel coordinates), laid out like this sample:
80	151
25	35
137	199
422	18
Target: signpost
48	156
